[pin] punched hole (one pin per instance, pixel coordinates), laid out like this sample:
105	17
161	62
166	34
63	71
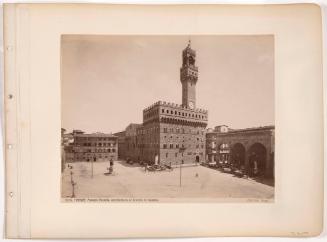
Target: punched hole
10	96
9	48
11	194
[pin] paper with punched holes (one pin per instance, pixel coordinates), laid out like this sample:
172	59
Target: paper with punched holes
33	122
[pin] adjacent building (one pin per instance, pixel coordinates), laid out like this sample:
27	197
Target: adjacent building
90	147
121	144
127	143
243	147
62	148
67	140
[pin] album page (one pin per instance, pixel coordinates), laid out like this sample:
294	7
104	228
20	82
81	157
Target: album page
135	121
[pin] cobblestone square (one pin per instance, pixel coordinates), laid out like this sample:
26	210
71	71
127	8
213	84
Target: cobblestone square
131	181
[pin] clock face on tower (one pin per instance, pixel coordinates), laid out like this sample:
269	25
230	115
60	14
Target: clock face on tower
191	105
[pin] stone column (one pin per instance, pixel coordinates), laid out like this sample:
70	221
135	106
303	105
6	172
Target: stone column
246	159
268	171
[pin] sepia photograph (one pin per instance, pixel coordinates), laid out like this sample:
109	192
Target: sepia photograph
173	120
167	118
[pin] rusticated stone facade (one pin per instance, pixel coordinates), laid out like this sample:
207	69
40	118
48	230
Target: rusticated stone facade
172	133
127	141
101	146
121	144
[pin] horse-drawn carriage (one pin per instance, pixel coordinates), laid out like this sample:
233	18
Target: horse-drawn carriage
158	167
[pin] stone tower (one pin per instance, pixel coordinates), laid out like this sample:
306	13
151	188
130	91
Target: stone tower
171	133
189	77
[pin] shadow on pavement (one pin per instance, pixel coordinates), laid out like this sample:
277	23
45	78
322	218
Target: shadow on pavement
266	181
262	180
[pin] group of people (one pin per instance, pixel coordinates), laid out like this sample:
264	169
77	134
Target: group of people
156	166
251	170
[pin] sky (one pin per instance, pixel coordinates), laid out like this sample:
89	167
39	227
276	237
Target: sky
108	80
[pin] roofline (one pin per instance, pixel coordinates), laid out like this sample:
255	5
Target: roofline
174	105
97	135
270	127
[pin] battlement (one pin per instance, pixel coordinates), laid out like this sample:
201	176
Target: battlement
174	105
162	110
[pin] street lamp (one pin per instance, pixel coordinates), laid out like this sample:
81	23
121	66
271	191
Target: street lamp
111	164
181	150
72	182
93	160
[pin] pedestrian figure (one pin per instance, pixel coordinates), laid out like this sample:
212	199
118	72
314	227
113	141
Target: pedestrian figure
94	160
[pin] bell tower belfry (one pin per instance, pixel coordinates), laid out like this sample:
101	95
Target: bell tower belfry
189	77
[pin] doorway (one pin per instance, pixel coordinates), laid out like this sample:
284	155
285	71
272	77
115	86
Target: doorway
197	159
